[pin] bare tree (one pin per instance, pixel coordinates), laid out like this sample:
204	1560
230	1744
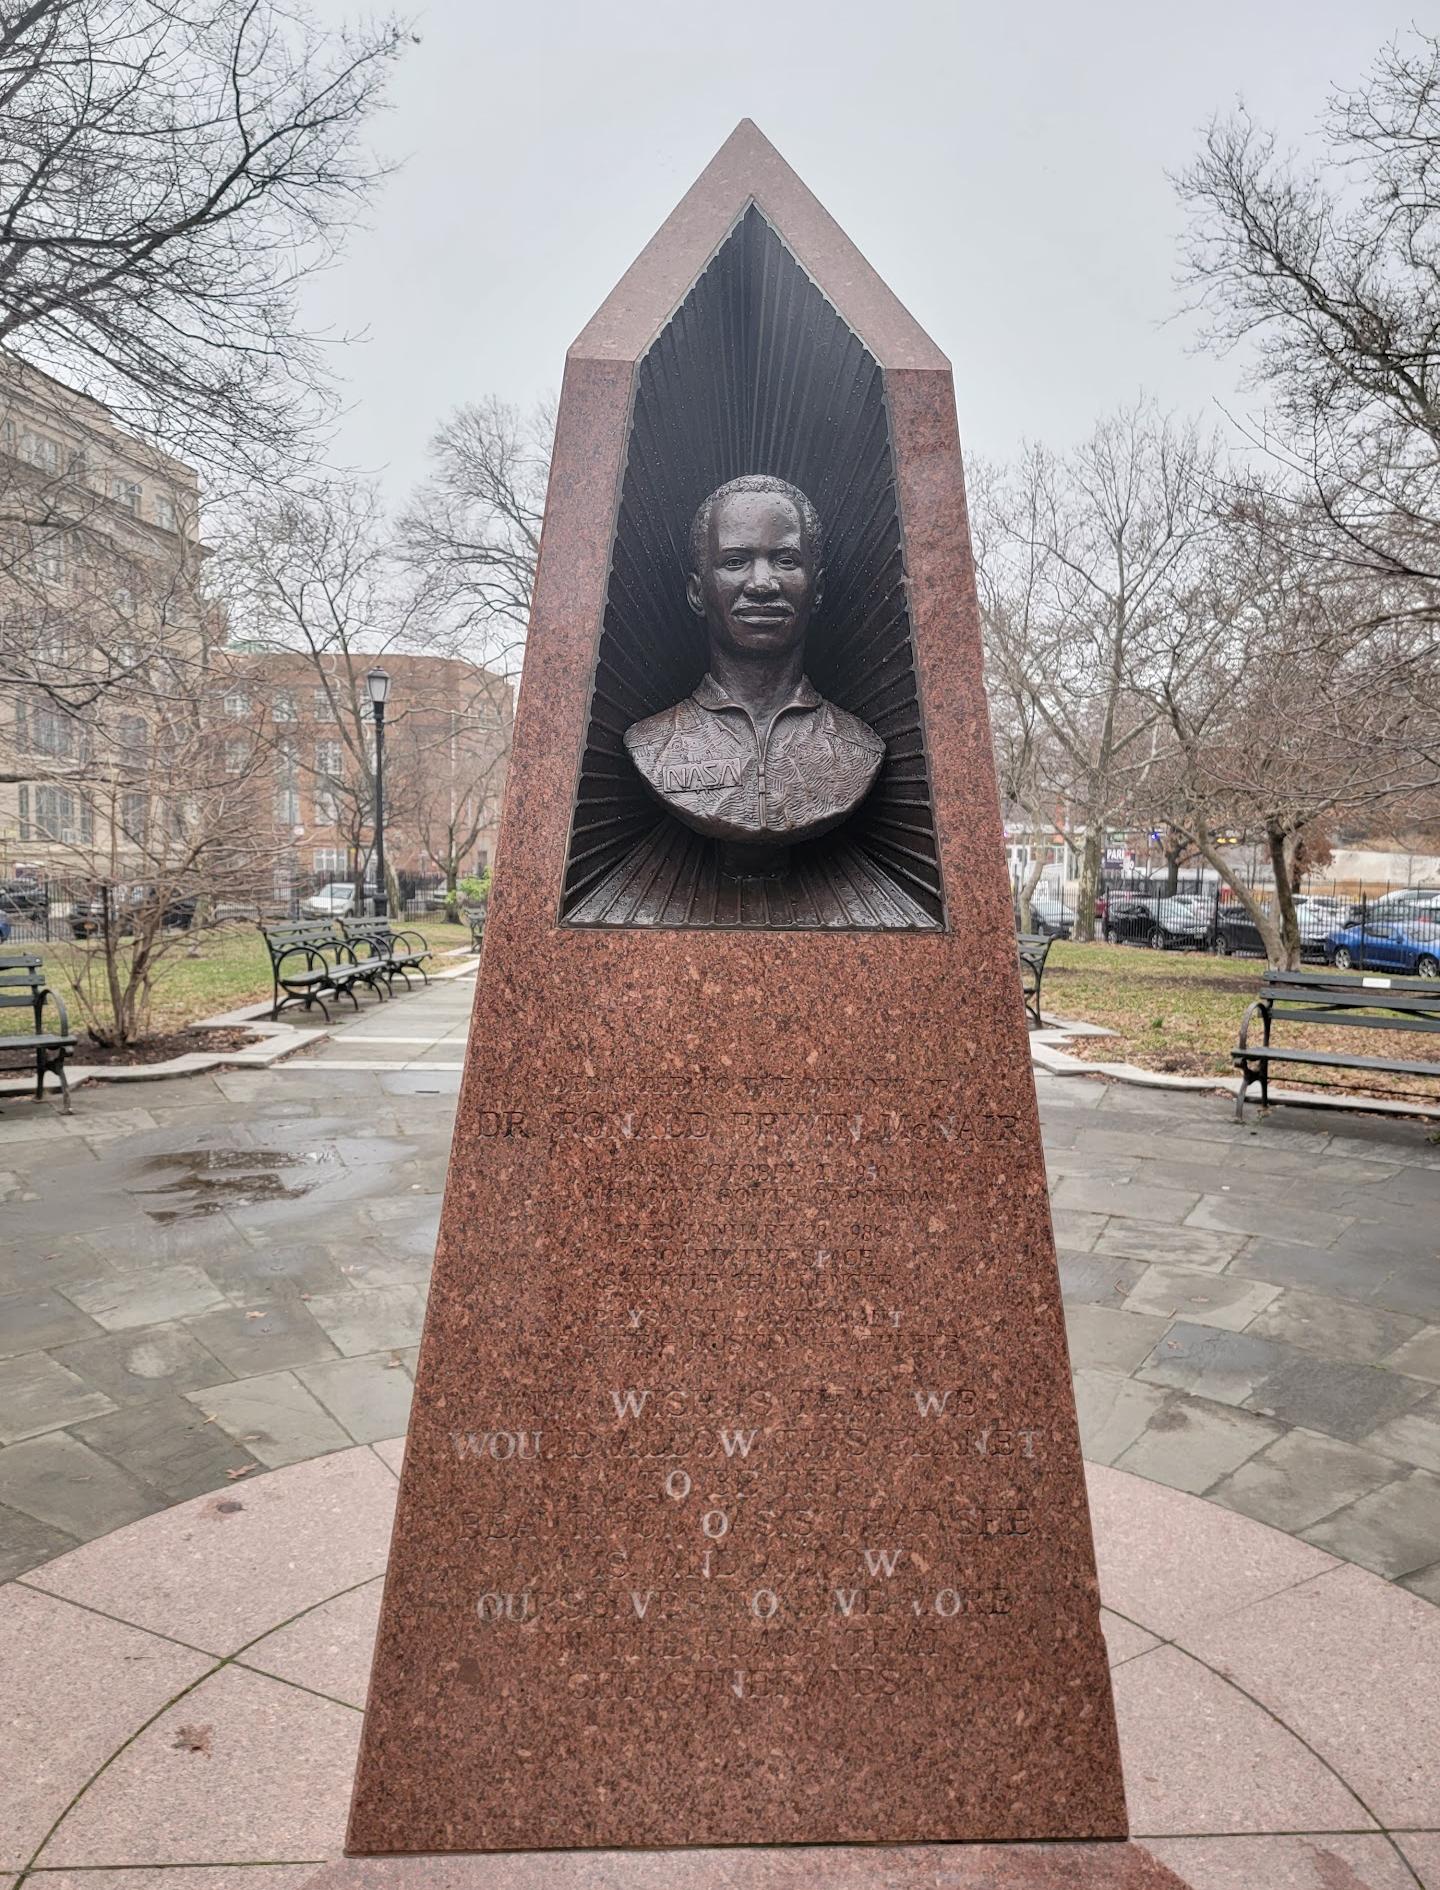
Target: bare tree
1331	274
1281	707
313	576
455	758
153	818
171	171
1080	557
471	534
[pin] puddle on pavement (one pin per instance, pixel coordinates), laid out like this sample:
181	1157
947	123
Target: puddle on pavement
214	1180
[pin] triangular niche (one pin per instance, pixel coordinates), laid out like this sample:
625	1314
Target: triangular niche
756	372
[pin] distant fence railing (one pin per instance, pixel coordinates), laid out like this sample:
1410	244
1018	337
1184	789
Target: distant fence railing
49	911
1373	928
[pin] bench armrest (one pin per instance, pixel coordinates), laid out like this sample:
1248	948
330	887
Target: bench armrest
1260	1004
313	959
53	997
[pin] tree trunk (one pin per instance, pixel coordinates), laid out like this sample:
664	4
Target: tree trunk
1027	889
1263	921
1289	926
1090	858
452	891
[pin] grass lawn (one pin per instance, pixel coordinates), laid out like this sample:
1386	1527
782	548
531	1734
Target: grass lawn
1180	1012
230	968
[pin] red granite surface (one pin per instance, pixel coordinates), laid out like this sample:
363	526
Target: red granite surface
743	1501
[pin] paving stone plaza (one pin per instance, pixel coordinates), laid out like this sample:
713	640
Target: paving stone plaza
214	1287
213	1275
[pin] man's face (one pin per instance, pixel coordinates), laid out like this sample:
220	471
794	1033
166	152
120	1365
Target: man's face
759	583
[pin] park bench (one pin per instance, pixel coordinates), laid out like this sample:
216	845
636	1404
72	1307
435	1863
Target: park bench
1333	999
23	986
1033	950
475	919
382	952
309	961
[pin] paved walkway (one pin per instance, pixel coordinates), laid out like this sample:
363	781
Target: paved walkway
207	1277
185	1701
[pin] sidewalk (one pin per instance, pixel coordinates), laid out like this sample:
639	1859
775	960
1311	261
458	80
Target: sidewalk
186	1693
211	1290
205	1278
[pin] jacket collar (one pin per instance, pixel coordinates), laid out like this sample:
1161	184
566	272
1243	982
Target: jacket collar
710	695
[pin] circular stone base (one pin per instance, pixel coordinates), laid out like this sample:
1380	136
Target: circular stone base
801	1867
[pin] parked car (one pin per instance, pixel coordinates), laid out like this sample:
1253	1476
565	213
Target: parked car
87	916
335	901
1181	921
1409	901
1411	947
1319	906
1048	917
23	899
1237	933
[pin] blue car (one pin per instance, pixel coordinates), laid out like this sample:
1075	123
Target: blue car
1409	946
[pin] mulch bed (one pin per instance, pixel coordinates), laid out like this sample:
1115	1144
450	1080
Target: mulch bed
174	1043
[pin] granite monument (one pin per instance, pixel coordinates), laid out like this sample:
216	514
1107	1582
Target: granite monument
743	1501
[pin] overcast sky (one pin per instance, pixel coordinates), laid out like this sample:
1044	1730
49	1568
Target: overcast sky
1003	167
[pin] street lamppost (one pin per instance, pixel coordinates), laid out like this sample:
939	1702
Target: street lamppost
377	681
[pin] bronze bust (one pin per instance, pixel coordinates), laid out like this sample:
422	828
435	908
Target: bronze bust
756	756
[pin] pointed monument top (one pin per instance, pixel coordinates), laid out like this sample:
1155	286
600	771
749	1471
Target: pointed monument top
747	168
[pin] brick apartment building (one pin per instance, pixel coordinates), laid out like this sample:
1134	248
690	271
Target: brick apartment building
447	746
99	591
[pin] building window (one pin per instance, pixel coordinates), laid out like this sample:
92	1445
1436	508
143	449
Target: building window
330	860
41	451
134	816
58	816
236	756
327	807
47	560
132	737
24	811
237	704
287	806
324	706
330	759
283	708
52	733
164	512
126	494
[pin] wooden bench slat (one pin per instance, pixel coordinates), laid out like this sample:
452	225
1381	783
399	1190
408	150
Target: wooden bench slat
1334	1059
1348	1020
31	1042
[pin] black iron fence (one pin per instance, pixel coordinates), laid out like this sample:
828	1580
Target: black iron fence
1381	929
36	911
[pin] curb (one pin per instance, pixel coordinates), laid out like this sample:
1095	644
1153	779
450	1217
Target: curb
281	1041
1046	1055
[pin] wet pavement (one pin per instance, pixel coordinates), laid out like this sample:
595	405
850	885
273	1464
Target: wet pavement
202	1277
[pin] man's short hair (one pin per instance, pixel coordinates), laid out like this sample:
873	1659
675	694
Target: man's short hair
754	482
